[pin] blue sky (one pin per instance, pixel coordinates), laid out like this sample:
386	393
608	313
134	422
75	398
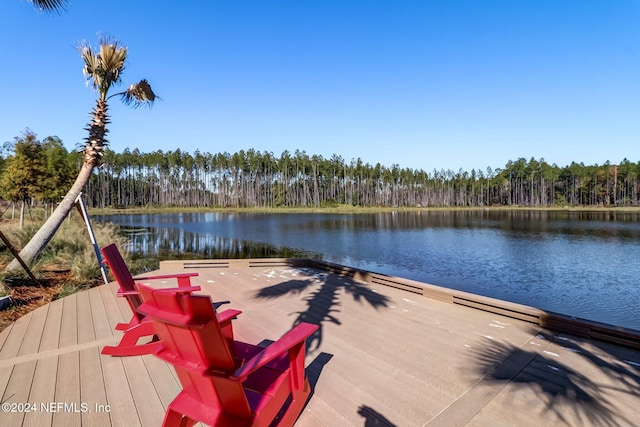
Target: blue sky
424	84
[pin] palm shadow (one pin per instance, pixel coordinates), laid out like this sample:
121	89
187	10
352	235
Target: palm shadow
323	301
559	386
373	418
314	370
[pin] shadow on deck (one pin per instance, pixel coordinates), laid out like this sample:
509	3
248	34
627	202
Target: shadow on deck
384	356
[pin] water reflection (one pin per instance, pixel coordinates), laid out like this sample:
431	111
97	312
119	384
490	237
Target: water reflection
582	264
615	224
174	243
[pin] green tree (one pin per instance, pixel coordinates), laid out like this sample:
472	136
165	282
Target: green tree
103	69
25	173
61	168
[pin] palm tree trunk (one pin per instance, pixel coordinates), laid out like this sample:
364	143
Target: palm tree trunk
92	154
42	237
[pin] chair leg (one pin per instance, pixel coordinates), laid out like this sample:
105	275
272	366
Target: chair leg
128	345
176	419
124	326
298	400
135	320
136	350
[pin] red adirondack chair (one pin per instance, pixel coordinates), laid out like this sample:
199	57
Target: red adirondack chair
225	382
137	328
127	284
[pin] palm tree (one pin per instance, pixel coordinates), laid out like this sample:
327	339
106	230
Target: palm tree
49	5
103	69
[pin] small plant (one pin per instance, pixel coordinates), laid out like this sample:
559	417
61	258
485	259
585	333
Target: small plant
85	266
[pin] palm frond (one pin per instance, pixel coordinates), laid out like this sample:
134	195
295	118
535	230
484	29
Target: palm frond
103	67
91	65
112	57
138	94
49	5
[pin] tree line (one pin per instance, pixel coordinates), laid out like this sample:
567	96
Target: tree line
261	179
40	172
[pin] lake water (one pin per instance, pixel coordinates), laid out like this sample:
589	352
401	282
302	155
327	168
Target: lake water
583	264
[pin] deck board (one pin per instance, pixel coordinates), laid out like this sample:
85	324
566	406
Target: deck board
164	381
123	409
102	328
68	390
69	323
14	381
4	334
51	332
86	332
43	390
20	386
33	333
92	389
383	357
5	376
17	391
16	335
112	310
146	398
68	385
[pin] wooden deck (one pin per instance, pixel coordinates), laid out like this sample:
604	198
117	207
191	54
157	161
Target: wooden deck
382	356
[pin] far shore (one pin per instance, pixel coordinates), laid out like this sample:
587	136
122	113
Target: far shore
353	209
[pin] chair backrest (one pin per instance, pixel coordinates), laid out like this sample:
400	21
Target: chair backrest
194	343
188	327
121	273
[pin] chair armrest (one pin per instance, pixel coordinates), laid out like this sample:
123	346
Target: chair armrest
166	276
122	293
184	279
227	315
180	290
296	336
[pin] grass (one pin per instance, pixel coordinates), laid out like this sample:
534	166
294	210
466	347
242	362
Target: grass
67	265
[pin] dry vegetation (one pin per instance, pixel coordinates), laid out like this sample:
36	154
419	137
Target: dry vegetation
26	296
67	265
